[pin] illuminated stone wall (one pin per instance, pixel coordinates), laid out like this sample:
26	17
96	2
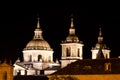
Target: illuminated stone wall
33	55
86	77
106	53
74	47
6	72
75	51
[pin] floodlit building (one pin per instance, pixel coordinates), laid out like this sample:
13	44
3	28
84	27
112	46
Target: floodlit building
37	57
72	47
38	60
74	67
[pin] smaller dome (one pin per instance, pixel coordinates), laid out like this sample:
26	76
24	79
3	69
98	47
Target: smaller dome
97	46
72	38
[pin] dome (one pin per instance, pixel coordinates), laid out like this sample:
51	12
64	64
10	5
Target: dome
100	42
72	38
97	46
38	44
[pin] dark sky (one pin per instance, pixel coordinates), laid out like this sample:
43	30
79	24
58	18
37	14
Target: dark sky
18	22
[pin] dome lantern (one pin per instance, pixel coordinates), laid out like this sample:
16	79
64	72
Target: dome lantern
38	42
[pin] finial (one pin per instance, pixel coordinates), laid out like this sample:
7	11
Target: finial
100	33
72	25
100	38
38	23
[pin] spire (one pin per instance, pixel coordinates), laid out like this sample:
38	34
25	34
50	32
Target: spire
72	30
38	31
100	38
72	25
100	32
38	23
72	36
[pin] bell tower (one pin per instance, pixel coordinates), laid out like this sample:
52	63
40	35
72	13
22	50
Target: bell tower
100	50
72	47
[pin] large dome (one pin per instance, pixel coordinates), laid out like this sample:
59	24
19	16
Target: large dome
38	44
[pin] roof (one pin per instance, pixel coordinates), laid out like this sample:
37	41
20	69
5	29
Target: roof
38	42
89	66
53	68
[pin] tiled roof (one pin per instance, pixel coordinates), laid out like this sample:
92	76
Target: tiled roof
53	68
89	66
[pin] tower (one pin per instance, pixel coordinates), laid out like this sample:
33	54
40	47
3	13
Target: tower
37	56
72	47
6	71
100	50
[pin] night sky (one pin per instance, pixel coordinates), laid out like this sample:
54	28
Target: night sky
18	22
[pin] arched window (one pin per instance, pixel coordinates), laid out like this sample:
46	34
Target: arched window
5	75
30	58
78	54
107	66
68	51
106	56
39	58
